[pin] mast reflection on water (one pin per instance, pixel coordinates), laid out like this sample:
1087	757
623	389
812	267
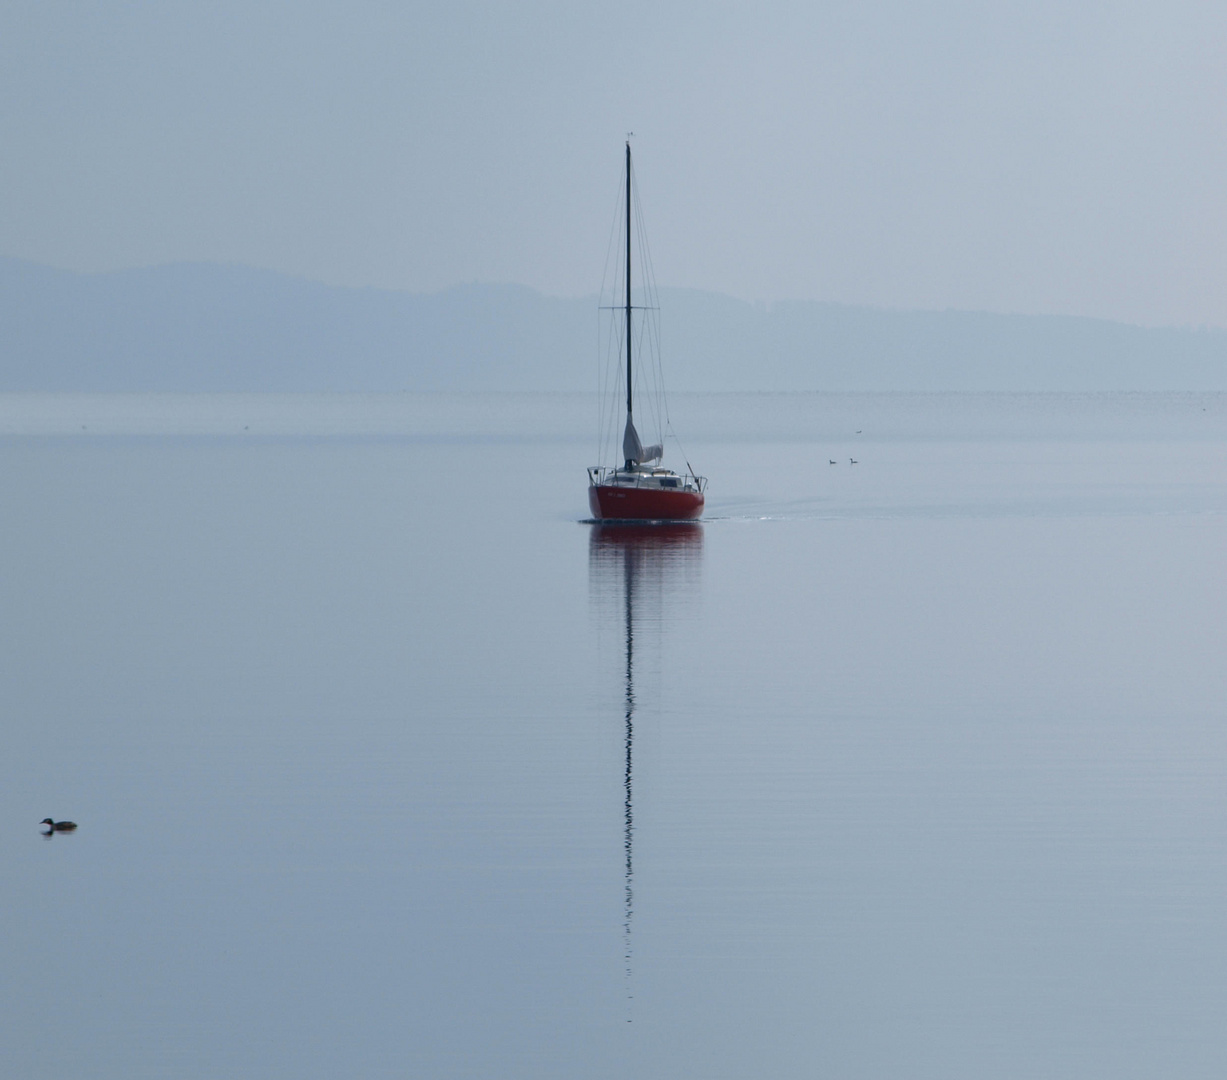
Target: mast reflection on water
633	572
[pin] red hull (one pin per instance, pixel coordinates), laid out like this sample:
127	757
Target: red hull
613	502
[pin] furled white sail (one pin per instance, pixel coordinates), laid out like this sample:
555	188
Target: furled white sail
633	450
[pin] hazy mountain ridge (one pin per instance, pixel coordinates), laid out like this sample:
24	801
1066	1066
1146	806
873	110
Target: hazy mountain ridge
210	327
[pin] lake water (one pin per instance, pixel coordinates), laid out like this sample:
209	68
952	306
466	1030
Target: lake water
388	765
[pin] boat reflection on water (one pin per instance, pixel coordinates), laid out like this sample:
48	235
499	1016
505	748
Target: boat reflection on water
639	575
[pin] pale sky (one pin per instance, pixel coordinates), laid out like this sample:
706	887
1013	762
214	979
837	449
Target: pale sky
1023	157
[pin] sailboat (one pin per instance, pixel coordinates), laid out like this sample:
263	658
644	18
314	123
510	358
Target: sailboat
638	489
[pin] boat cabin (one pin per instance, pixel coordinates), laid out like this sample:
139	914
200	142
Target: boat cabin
645	477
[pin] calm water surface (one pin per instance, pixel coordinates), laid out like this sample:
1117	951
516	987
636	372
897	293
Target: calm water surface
386	765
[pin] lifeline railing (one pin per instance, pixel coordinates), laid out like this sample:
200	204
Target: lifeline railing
603	474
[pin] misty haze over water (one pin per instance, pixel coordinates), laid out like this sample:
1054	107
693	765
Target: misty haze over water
927	772
210	328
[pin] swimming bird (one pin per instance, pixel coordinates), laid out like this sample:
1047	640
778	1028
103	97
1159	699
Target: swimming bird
59	826
852	460
829	462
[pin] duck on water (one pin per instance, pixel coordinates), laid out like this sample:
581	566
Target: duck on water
58	826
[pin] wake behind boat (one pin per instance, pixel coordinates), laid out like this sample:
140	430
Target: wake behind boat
639	490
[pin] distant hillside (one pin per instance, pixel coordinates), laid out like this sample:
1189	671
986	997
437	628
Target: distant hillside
205	327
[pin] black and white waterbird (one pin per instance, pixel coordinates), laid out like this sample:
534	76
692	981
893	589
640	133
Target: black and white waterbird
58	826
829	462
852	460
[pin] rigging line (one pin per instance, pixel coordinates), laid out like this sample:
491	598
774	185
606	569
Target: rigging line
603	366
614	361
613	376
604	360
648	273
600	366
652	329
613	232
613	373
616	373
685	456
604	351
648	366
650	278
644	329
602	377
